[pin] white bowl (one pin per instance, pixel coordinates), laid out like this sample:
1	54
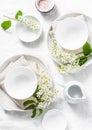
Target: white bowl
20	83
54	120
50	6
71	33
25	34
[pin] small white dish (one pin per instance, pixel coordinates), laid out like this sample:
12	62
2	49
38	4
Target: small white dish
54	120
71	33
44	5
25	34
74	92
20	83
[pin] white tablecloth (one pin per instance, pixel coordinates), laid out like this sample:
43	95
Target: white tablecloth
79	116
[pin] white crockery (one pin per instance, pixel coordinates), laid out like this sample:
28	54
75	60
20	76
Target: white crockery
25	34
50	5
74	92
71	33
20	83
54	120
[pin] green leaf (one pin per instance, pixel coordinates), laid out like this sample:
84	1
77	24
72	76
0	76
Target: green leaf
82	60
19	13
29	102
40	112
33	113
36	91
6	24
87	49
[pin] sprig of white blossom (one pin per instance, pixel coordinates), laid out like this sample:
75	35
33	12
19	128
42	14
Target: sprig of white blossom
46	93
32	24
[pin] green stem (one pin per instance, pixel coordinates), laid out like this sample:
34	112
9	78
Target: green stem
88	56
10	18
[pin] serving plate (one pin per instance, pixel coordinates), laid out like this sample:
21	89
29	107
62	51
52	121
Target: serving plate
53	43
6	102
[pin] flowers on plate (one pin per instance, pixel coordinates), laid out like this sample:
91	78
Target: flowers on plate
68	62
44	95
29	22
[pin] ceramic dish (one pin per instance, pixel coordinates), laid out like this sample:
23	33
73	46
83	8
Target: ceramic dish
20	83
25	33
66	59
54	119
44	5
71	33
74	92
10	105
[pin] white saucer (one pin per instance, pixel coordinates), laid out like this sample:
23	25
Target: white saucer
54	120
20	83
25	34
71	33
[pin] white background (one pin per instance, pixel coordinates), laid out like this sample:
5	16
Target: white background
79	116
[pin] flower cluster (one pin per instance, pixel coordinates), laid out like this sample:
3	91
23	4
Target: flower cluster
68	61
45	93
43	96
32	24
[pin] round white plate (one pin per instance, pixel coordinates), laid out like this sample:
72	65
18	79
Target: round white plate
51	38
54	120
20	83
9	105
71	33
25	34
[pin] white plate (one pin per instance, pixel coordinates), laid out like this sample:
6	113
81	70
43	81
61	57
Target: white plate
51	33
71	33
9	105
20	83
25	34
54	120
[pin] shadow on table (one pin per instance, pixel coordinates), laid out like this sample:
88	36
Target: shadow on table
35	43
19	114
80	76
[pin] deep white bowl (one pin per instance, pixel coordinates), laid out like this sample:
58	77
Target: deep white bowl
71	33
20	83
54	120
50	7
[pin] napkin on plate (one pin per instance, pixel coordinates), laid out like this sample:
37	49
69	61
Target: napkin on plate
22	61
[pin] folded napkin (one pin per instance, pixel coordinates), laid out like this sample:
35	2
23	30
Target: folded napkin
22	61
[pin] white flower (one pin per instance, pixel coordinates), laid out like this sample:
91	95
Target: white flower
33	25
46	93
68	61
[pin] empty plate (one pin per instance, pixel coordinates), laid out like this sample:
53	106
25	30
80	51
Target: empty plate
20	83
71	33
25	33
54	120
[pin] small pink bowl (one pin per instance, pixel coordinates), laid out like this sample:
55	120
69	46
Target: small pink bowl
50	5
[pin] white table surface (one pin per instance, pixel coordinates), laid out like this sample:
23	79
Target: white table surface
79	116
